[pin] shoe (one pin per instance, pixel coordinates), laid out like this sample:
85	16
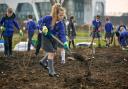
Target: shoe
11	55
5	55
90	46
62	61
107	45
44	66
54	75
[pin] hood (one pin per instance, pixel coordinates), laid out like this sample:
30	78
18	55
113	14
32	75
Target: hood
12	17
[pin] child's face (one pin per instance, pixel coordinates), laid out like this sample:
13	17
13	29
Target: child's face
9	14
61	15
121	29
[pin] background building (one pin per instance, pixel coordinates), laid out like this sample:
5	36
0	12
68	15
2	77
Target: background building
83	10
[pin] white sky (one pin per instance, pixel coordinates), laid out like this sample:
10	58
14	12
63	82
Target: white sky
116	6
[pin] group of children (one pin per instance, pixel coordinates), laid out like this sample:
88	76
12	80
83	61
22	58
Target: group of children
53	24
121	32
49	25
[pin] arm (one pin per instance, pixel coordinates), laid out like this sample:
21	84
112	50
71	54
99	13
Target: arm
93	26
2	28
34	26
2	21
62	35
100	27
16	24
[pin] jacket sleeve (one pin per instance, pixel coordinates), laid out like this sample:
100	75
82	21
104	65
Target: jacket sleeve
34	26
16	24
62	35
2	21
41	23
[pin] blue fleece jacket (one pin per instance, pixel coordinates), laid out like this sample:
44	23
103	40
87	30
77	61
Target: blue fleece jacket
124	38
31	26
9	23
96	24
108	27
58	30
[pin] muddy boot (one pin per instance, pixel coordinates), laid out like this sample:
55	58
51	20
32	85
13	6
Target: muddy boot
51	69
90	46
44	61
107	45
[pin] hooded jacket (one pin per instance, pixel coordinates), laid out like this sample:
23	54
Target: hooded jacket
9	23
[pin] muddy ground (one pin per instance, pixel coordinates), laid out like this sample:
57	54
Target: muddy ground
109	70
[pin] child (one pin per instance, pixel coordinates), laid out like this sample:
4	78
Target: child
61	48
120	29
8	21
55	26
71	31
30	27
123	37
96	30
108	32
39	44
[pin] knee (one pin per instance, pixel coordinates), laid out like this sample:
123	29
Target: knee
51	55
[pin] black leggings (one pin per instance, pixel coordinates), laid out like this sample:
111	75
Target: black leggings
7	45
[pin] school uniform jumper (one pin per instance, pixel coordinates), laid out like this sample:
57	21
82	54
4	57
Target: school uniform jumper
8	23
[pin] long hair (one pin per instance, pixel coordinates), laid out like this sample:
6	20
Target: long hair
55	11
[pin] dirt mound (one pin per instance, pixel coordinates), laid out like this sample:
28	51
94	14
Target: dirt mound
107	70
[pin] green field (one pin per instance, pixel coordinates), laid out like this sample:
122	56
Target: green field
82	36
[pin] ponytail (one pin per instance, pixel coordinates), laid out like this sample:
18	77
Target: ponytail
54	13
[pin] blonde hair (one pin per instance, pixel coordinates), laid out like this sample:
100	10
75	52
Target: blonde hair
56	8
9	10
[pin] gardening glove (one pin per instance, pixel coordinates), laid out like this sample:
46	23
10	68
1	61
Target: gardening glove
2	28
66	45
21	33
45	30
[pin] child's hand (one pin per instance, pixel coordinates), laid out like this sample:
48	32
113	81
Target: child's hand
2	28
21	33
45	30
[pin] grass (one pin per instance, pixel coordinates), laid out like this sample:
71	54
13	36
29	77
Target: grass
82	36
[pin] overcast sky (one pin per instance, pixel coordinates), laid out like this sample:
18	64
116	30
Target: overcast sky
116	6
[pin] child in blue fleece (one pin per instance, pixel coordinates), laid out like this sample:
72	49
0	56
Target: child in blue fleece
7	22
120	29
96	24
123	37
30	27
55	26
108	32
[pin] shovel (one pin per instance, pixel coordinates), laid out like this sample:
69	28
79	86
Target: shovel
75	55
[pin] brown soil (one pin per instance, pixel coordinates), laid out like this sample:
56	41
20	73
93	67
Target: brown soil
108	70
